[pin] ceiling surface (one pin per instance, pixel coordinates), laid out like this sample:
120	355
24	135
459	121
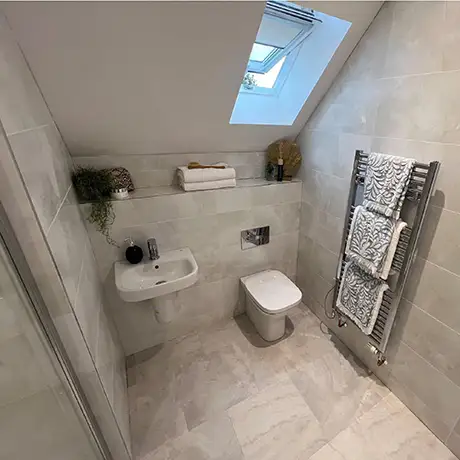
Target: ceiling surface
157	77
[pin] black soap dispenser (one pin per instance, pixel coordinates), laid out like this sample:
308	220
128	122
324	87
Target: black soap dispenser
133	254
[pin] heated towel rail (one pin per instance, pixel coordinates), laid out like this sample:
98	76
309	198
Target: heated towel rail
415	206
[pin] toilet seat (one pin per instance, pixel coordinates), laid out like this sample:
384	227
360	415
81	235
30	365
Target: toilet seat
272	291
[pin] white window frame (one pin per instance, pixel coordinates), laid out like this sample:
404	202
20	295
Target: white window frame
280	79
290	52
275	56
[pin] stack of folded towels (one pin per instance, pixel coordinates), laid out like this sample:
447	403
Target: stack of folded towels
206	177
373	238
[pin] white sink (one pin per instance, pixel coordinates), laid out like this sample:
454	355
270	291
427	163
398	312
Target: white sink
173	271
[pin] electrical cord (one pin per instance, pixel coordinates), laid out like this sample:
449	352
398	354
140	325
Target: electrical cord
332	316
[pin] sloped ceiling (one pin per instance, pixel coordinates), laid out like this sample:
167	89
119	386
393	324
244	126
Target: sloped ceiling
157	77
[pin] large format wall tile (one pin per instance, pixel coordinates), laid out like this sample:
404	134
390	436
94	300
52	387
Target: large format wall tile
409	51
402	112
433	340
89	300
397	94
67	239
21	104
44	165
436	291
431	386
439	240
451	37
39	200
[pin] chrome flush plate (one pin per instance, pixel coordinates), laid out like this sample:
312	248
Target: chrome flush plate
255	237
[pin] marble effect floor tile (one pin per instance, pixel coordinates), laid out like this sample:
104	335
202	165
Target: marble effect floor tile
212	440
389	431
327	453
337	389
277	423
227	394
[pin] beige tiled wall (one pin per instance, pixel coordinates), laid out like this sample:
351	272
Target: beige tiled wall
209	223
35	166
399	93
156	170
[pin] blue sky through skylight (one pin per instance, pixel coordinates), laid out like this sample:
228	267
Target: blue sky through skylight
260	52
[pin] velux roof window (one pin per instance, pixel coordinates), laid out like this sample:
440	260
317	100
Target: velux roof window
293	47
283	29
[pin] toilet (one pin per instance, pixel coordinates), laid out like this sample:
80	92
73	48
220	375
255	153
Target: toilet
269	296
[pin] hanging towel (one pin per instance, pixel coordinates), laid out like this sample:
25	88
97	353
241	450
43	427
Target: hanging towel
386	182
192	186
372	241
205	175
360	296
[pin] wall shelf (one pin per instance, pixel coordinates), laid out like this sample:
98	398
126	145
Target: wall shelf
150	192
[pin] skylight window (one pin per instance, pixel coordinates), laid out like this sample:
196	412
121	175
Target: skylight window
292	48
268	80
284	27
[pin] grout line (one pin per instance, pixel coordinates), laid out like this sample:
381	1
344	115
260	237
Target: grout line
328	130
429	364
438	266
432	317
317	209
80	274
414	75
58	210
443	209
35	128
200	215
452	431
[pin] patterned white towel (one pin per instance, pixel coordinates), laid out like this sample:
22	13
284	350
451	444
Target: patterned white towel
372	241
360	297
386	182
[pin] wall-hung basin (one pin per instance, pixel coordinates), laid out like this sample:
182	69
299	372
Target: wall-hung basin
173	271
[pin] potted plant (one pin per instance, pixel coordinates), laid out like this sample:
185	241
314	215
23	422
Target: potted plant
95	186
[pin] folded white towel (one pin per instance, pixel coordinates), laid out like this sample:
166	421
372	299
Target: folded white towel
205	175
191	186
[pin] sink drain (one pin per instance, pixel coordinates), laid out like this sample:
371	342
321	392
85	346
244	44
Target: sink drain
160	282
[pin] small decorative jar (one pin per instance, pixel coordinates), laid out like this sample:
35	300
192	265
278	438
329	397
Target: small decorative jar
120	194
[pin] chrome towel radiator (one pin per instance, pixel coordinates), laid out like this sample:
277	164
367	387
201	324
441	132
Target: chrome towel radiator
415	206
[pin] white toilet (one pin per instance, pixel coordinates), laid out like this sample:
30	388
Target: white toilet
269	296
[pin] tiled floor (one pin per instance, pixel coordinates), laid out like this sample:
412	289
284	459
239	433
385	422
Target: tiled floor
226	395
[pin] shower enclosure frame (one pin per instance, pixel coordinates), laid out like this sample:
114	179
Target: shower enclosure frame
44	322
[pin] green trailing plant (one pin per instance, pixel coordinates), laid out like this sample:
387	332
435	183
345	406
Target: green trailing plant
95	186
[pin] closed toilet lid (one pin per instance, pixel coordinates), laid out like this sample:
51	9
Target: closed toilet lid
272	290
